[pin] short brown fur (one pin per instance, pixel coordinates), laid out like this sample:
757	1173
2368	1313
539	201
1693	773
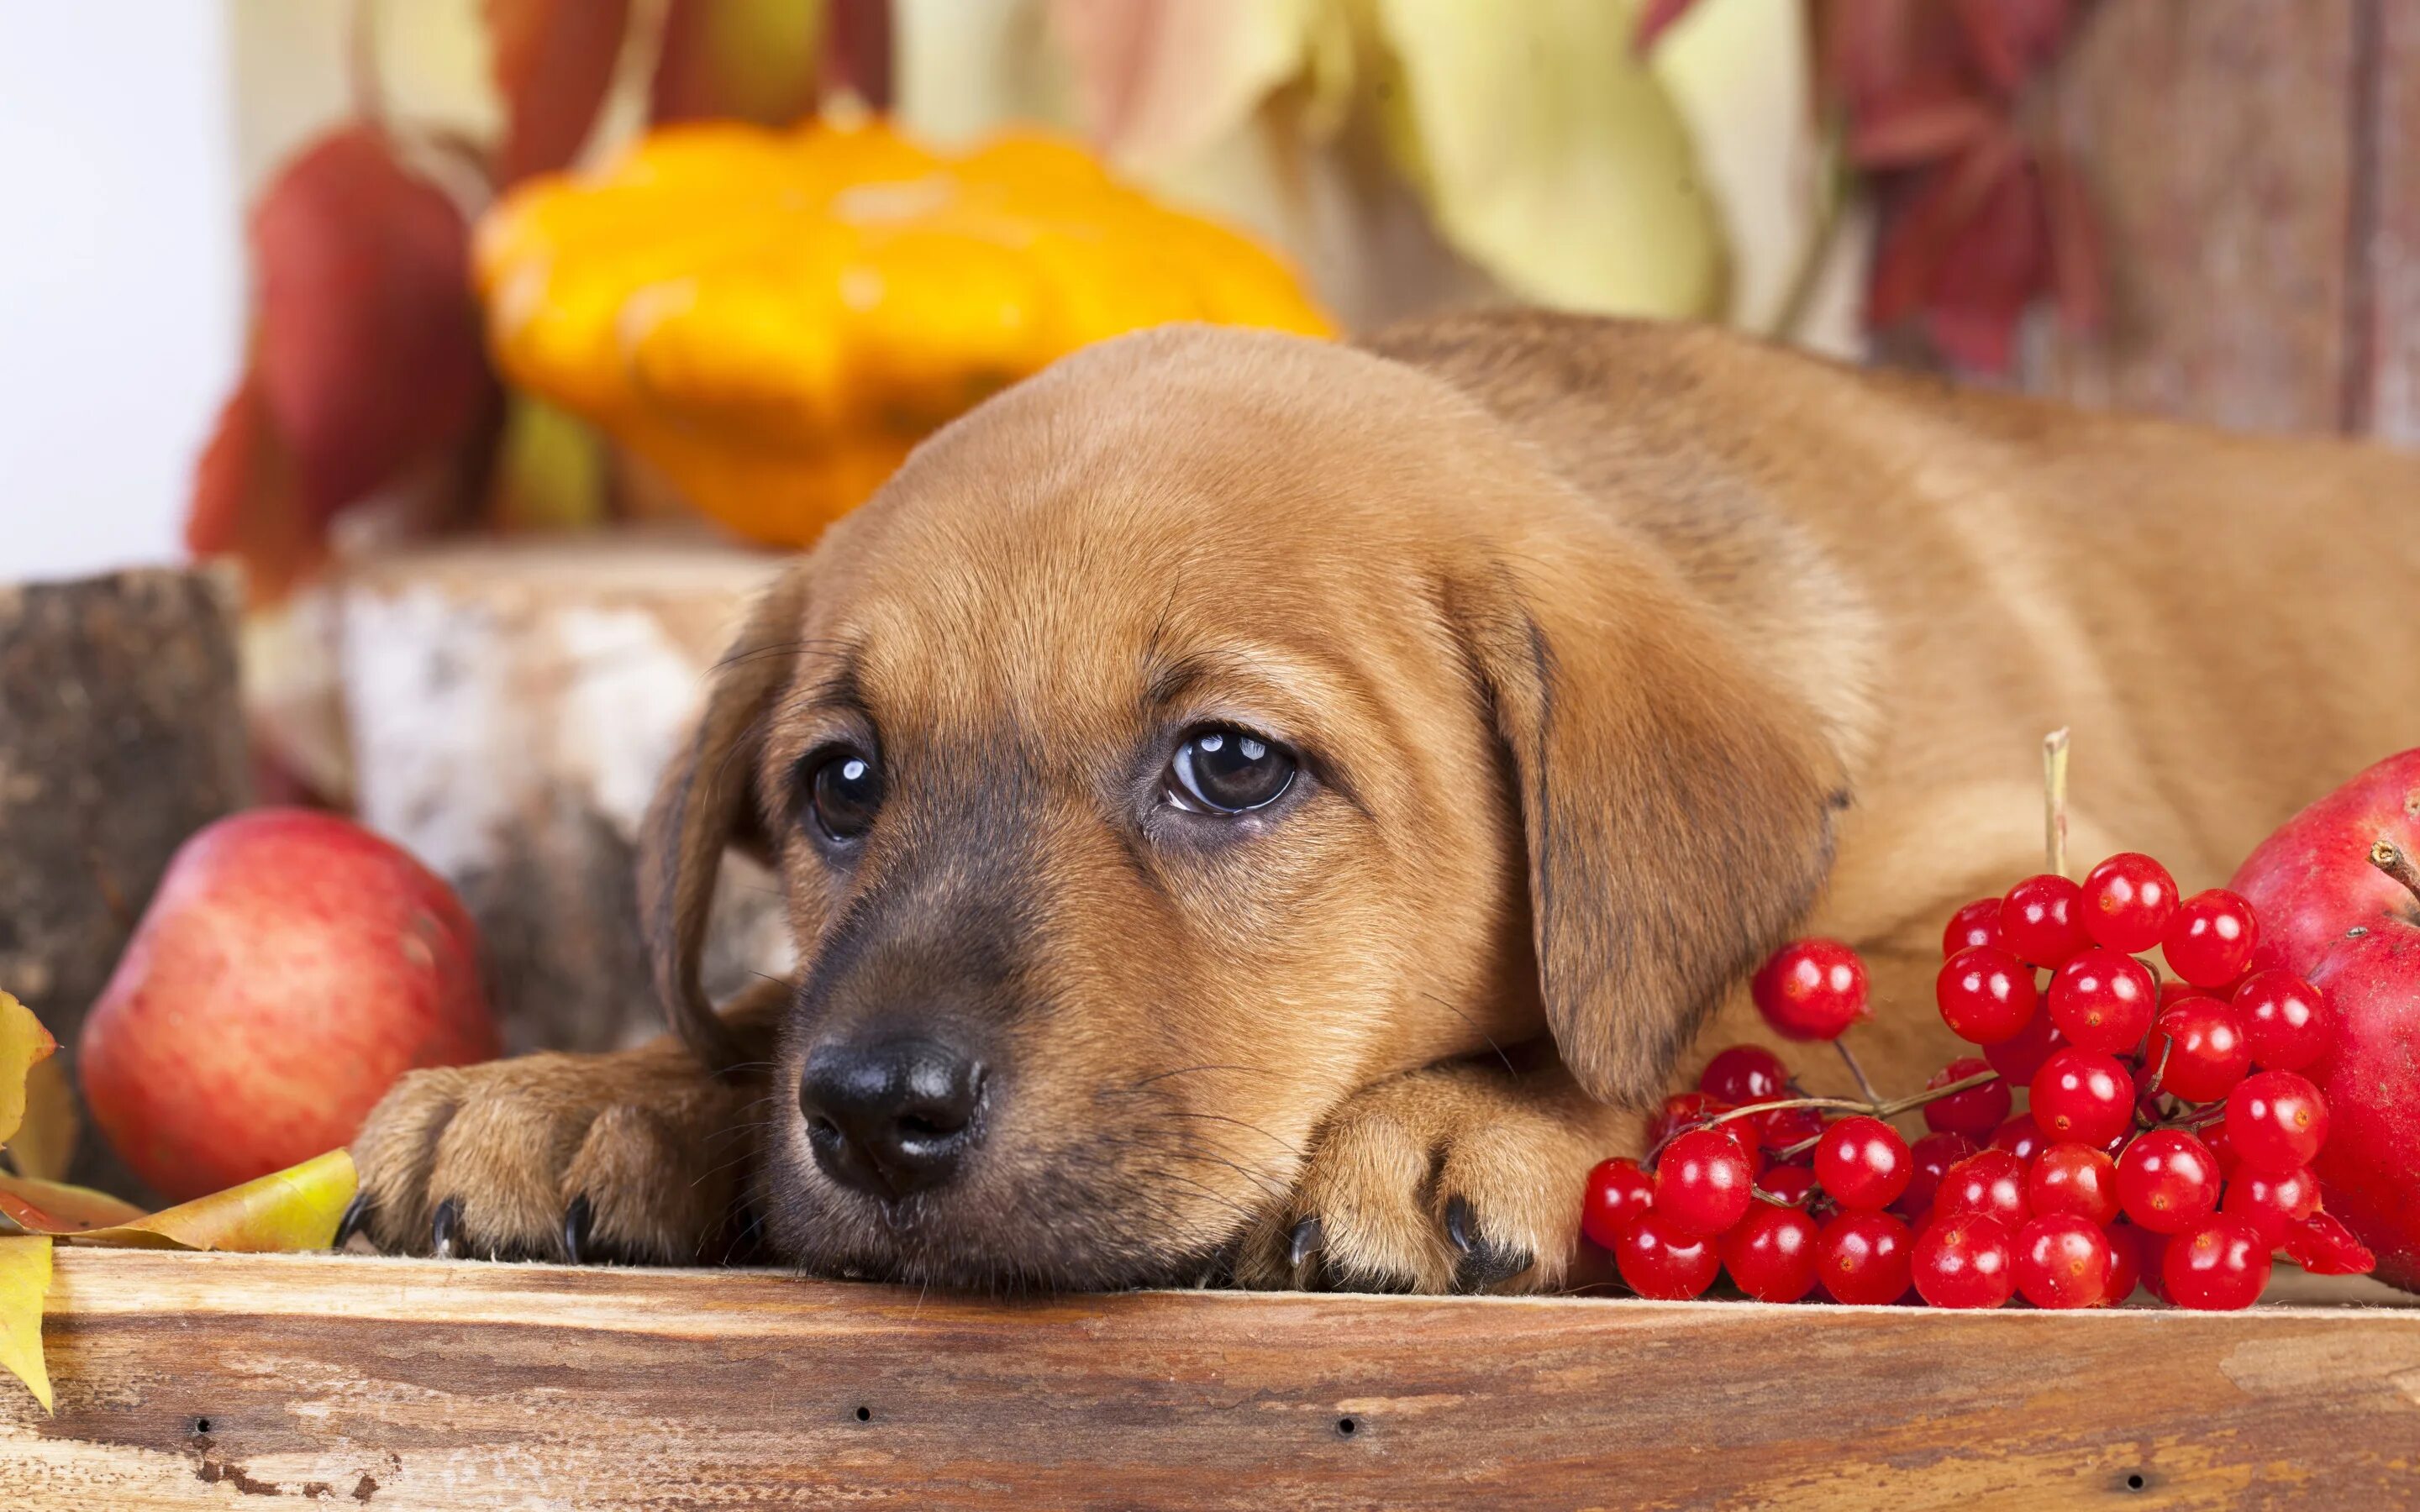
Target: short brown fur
1616	654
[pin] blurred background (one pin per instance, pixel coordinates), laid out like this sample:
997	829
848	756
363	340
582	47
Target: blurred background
398	396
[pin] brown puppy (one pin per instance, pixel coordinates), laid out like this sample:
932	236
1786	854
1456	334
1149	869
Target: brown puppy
1262	809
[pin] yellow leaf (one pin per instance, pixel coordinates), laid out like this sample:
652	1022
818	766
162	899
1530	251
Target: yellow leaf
23	1042
45	1141
40	1207
1550	154
25	1278
294	1208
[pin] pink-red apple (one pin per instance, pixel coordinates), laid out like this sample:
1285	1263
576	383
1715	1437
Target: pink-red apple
291	966
2332	909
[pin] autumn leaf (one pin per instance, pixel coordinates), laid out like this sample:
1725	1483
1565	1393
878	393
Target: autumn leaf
1550	154
295	1209
43	1206
750	61
1159	81
24	1280
44	1144
553	63
24	1044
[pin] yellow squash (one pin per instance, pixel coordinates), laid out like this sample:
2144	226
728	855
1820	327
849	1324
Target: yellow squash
772	319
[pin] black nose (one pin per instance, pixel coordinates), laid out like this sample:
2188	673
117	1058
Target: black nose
890	1117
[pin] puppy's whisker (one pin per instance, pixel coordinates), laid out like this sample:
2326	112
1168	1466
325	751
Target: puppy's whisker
1188	1071
1286	1144
1456	1010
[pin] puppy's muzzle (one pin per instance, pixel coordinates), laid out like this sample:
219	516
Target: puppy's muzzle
893	1116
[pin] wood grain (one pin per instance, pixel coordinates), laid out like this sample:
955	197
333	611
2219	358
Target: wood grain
209	1380
2217	136
2390	244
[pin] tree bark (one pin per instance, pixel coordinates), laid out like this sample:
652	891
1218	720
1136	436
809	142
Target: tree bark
122	732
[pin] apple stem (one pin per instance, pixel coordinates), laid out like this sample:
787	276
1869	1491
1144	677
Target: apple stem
2389	857
2055	800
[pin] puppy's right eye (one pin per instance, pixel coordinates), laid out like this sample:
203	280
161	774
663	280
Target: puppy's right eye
1222	770
843	793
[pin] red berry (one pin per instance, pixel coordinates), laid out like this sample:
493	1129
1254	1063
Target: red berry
2211	938
2042	921
2214	1136
2127	902
1618	1193
2284	1018
1745	1073
1702	1182
2125	1263
1863	1162
2275	1121
2020	1137
2167	1180
1986	995
1771	1253
2074	1181
1991	1182
2081	1097
2017	1059
2221	1266
1964	1260
1978	923
1929	1160
1658	1260
2062	1261
1811	990
1787	1128
2197	1049
1976	1111
1792	1185
2103	1000
1681	1110
2272	1202
2324	1246
1862	1259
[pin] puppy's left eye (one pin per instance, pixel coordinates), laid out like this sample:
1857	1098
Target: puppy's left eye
1222	770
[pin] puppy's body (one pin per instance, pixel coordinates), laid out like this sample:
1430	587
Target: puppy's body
1610	654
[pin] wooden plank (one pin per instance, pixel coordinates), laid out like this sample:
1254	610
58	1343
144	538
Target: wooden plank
209	1380
2392	245
2217	135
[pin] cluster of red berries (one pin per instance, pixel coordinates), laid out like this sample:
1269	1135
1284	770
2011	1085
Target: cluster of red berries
2166	1142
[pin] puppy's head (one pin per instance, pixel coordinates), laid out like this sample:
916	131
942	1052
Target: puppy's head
1182	741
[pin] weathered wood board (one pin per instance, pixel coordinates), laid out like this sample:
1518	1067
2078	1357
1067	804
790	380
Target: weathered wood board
222	1381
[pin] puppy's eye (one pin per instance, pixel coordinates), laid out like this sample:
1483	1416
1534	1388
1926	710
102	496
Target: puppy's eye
1225	770
843	792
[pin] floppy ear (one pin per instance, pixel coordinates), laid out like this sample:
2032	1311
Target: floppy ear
705	804
1675	800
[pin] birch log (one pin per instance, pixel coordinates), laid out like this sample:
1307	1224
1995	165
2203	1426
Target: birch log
510	706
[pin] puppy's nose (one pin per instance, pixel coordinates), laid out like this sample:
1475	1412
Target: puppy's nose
891	1117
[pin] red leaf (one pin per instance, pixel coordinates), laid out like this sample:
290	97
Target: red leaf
1995	267
1927	218
1655	19
244	501
750	61
1870	49
368	357
2079	266
1919	126
2324	1246
553	63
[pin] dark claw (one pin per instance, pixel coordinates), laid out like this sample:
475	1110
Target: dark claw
440	1229
1308	1235
1457	1224
575	1219
351	1224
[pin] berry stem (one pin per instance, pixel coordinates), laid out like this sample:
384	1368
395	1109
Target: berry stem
1874	1107
2055	800
1849	1056
2389	857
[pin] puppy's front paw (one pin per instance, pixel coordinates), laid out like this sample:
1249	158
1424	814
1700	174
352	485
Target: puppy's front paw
634	1156
1461	1178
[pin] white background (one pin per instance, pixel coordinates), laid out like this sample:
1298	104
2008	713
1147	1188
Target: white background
122	281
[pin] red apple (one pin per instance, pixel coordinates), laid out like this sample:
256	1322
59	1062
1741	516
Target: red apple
291	967
2332	909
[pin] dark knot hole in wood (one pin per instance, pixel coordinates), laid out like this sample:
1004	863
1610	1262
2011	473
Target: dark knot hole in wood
865	1414
2135	1481
1347	1427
